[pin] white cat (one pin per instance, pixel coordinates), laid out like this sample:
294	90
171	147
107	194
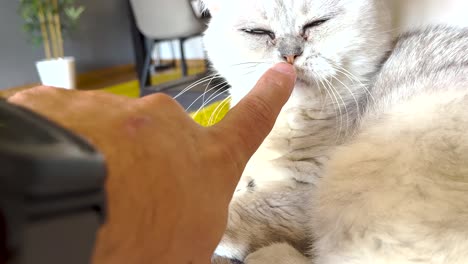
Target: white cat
360	167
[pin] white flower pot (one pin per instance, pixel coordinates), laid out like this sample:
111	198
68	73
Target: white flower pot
58	72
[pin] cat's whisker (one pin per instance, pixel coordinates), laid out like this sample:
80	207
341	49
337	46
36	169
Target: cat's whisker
247	73
322	99
338	95
198	82
331	99
215	94
352	95
204	104
218	93
228	101
221	89
358	110
250	72
336	107
210	120
212	99
209	90
217	111
341	69
252	66
251	69
208	85
252	62
353	78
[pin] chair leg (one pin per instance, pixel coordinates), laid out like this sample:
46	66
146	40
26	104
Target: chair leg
146	72
174	59
182	58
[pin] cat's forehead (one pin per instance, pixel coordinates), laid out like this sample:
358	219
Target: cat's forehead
277	9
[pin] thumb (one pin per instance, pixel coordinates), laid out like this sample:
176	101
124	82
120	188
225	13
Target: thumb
251	120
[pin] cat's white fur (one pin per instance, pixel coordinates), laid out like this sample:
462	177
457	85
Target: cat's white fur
343	53
357	49
397	191
417	13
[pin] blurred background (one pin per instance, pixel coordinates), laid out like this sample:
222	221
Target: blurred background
127	47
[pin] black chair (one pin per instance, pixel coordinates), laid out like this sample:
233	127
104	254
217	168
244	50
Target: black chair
164	20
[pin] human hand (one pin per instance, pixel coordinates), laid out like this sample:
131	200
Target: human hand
170	180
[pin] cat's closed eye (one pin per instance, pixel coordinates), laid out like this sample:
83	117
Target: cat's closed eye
315	23
259	32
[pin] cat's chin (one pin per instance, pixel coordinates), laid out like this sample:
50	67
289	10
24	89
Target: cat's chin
305	79
302	82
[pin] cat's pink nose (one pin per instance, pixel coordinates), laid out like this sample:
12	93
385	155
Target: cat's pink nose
291	58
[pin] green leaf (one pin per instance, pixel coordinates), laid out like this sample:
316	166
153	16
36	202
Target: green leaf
74	13
28	10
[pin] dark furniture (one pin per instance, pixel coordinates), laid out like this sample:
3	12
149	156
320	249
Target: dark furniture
145	35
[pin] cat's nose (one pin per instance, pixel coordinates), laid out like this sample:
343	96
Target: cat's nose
290	48
291	53
291	58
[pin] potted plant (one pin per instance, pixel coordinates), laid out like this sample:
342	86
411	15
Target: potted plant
47	22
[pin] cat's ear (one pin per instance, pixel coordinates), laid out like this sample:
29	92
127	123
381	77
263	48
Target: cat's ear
212	5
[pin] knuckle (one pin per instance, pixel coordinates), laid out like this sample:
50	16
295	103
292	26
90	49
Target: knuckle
159	100
44	88
17	98
20	97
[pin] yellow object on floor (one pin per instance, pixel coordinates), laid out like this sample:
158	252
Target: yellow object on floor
130	89
212	113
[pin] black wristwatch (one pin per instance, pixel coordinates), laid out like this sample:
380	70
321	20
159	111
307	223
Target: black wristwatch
52	197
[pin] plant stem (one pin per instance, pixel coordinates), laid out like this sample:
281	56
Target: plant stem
58	28
45	35
52	31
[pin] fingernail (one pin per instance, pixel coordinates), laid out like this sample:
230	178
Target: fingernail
284	68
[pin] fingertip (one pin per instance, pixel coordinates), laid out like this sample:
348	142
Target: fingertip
285	68
281	78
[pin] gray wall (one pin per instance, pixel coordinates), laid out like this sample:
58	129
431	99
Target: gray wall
103	39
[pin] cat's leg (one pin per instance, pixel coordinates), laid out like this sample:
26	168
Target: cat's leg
222	260
280	253
399	193
265	213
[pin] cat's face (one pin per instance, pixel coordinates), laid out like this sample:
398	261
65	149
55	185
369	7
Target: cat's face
322	38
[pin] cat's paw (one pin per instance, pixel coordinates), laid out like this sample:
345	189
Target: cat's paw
280	253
